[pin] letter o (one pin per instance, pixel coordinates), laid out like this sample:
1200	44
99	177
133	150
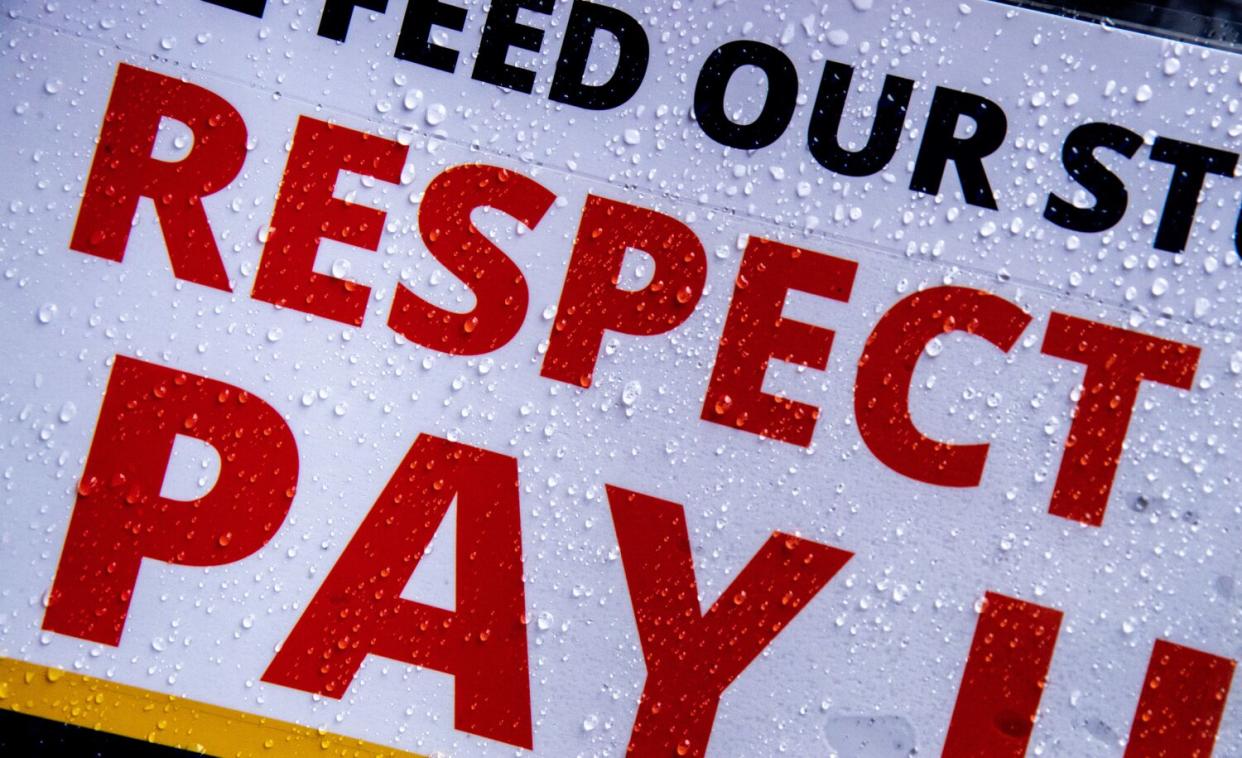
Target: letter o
778	106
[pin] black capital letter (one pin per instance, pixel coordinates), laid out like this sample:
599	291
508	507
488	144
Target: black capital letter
1111	198
414	42
632	55
1237	235
778	107
249	7
501	32
1192	163
334	23
890	115
967	153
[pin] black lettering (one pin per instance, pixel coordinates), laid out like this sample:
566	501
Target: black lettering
778	106
414	42
501	32
1237	235
1191	163
940	146
633	53
334	23
1111	198
890	116
249	7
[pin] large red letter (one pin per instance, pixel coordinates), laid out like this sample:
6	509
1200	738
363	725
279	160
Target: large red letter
498	285
1183	698
755	332
692	657
1117	361
359	609
306	212
1004	679
886	368
124	171
591	303
120	518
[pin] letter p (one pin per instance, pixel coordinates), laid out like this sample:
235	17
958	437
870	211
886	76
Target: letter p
120	517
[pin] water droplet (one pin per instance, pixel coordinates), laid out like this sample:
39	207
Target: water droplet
630	393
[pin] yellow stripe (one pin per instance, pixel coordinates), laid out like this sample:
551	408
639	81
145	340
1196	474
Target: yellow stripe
165	719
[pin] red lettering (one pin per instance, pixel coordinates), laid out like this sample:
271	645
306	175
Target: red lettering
120	518
1183	699
886	368
498	285
691	656
124	171
1004	679
591	303
359	611
307	212
1117	361
755	332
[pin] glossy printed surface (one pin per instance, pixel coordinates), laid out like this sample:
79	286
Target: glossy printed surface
324	321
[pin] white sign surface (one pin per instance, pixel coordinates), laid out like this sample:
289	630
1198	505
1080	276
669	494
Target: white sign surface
680	303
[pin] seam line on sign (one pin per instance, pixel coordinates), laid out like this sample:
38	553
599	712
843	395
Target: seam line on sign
829	237
176	722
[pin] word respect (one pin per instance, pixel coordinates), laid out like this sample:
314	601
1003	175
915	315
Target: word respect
592	303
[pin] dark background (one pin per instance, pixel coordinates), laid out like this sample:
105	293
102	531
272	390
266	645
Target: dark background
1217	23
